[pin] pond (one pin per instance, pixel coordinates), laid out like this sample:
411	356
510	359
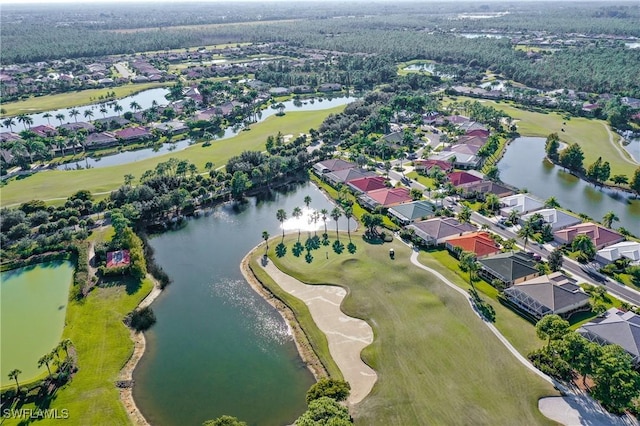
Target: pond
142	154
144	99
218	347
33	307
524	166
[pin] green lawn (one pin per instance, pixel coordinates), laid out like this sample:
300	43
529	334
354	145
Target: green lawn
37	104
103	346
62	183
436	362
591	134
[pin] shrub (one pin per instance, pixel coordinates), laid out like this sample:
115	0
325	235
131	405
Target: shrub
142	319
335	389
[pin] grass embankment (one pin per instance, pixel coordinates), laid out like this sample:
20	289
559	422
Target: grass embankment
437	363
103	346
590	134
62	183
37	104
315	337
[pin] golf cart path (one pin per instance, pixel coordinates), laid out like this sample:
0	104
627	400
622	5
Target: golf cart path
347	336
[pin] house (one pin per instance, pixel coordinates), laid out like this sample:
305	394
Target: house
426	166
174	127
330	87
332	165
207	114
467	149
508	268
44	130
458	159
347	175
118	258
521	203
133	134
397	139
627	249
99	140
367	184
475	141
279	91
600	235
410	212
80	125
385	197
480	133
554	217
481	188
461	178
549	294
616	328
111	122
435	231
479	243
9	136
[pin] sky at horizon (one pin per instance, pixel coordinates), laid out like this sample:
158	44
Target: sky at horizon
107	2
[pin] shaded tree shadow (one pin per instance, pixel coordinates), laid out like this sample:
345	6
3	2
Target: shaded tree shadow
308	257
338	247
281	250
351	248
325	239
298	248
312	243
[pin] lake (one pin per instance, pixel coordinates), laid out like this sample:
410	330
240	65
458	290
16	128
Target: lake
229	132
218	347
524	166
33	307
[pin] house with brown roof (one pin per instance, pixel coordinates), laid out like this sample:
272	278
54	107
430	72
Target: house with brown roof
427	165
481	188
386	197
44	130
435	231
600	235
133	134
95	140
332	165
347	175
461	178
481	133
479	243
367	184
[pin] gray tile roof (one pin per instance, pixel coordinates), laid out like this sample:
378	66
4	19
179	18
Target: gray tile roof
436	229
619	328
510	266
550	297
411	211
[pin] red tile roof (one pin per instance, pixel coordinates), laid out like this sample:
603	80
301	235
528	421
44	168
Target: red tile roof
479	133
132	133
367	184
479	243
460	178
429	164
390	196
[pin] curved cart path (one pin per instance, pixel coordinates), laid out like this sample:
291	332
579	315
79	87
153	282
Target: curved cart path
347	336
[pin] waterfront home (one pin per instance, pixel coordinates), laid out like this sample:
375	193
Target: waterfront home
554	217
600	235
174	127
330	87
435	231
425	166
367	184
410	212
386	197
508	268
118	258
101	140
458	159
521	203
131	134
80	125
461	178
480	189
627	249
331	165
549	294
44	130
347	175
616	328
479	243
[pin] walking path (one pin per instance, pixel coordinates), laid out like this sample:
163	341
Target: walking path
346	336
623	153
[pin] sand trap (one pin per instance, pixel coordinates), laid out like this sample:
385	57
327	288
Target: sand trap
347	336
576	411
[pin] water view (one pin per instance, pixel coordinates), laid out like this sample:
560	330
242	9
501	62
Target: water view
524	166
33	307
218	347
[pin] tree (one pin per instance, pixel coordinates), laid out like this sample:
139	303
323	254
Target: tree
325	411
583	244
493	173
307	201
555	260
609	218
620	179
118	108
617	384
324	213
65	345
416	194
48	117
281	215
60	117
128	179
551	203
88	113
513	217
335	215
635	182
265	237
492	202
580	354
297	214
224	421
45	360
550	328
526	232
239	184
9	123
335	389
470	264
348	214
73	112
464	215
13	375
572	157
551	146
25	119
135	106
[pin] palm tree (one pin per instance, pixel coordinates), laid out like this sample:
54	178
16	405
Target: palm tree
65	345
315	217
584	245
348	213
103	110
609	218
468	263
117	108
335	215
324	213
265	237
551	203
297	213
281	215
60	117
25	120
47	116
307	201
526	232
13	375
9	122
464	215
88	113
513	217
45	360
73	112
135	106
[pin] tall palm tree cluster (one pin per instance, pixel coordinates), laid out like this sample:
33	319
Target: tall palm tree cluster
52	357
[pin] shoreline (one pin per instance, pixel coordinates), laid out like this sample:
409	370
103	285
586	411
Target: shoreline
305	350
126	373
